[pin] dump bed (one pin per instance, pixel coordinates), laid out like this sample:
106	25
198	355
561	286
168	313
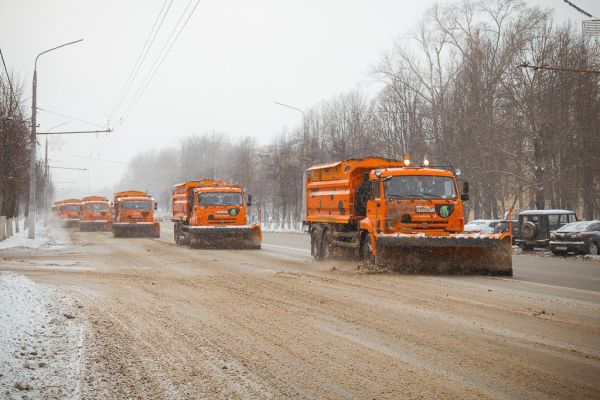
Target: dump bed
88	199
129	193
71	201
331	189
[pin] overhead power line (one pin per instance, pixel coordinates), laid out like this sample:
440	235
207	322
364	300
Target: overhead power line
72	168
581	11
71	118
141	57
558	69
162	56
73	132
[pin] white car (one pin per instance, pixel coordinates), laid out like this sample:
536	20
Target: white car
481	226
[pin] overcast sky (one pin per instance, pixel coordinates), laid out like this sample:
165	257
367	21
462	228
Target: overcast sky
230	63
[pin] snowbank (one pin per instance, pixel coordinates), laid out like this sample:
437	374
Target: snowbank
40	341
45	237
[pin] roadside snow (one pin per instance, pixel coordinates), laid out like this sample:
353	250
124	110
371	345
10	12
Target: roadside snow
40	341
45	237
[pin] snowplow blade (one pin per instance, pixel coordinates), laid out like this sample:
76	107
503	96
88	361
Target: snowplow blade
148	229
456	254
228	237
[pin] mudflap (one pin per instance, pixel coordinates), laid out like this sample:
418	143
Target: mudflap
460	255
226	237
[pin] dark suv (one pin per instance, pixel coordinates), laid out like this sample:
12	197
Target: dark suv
535	226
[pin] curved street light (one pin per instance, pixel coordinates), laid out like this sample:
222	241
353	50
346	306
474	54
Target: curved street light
31	207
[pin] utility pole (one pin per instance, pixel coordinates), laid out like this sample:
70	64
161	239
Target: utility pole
46	181
31	209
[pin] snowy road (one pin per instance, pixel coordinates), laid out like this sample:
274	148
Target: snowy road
163	321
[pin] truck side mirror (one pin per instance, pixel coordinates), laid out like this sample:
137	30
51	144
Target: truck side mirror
156	205
465	187
249	202
464	196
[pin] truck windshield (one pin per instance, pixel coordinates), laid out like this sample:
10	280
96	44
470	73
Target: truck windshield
72	207
136	205
220	199
419	186
95	207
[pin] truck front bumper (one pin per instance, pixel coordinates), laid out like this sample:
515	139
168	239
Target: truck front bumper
227	236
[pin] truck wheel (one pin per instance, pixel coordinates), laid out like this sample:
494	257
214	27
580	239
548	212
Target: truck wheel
326	244
366	249
593	249
315	243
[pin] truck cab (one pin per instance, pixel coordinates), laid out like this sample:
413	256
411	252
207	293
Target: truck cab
212	212
218	206
95	214
412	200
70	212
133	213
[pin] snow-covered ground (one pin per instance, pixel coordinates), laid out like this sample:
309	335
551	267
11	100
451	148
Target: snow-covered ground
41	339
45	237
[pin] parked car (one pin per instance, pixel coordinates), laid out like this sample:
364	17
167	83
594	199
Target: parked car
577	237
535	226
481	226
502	226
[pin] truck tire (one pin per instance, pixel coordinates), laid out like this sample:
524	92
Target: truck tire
316	243
366	249
326	243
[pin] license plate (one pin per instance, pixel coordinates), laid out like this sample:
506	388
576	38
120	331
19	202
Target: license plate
425	209
561	247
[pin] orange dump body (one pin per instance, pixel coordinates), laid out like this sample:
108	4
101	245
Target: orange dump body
133	214
210	210
95	214
409	217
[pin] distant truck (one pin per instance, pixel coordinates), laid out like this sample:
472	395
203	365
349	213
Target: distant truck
95	214
70	212
133	215
397	215
56	210
209	212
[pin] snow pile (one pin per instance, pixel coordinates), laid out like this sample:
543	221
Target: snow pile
45	237
40	341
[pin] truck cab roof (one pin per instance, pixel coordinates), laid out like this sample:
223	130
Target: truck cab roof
402	171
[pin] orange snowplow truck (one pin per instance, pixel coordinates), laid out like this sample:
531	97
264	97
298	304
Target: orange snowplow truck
211	212
407	218
70	212
133	215
95	214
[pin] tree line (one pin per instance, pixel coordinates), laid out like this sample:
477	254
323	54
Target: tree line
14	150
460	91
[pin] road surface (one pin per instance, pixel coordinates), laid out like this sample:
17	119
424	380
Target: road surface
166	322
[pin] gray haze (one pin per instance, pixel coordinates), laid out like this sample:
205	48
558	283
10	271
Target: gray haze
233	59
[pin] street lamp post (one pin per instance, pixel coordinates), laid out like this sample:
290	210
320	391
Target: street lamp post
303	157
31	207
